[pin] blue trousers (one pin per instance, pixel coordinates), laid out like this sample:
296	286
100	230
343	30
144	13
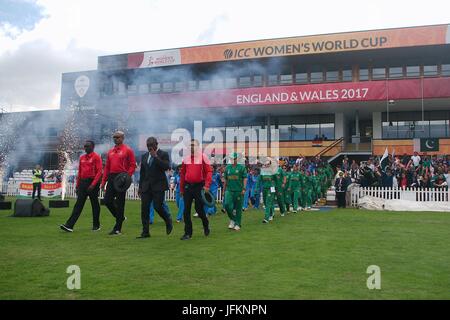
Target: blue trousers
247	195
180	204
152	211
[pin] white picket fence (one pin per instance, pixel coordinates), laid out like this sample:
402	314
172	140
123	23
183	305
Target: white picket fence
411	194
12	189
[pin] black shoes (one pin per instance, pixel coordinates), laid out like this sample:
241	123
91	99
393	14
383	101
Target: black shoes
115	233
185	237
96	228
207	231
143	236
169	228
64	228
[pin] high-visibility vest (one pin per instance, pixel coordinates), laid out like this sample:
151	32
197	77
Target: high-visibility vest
37	176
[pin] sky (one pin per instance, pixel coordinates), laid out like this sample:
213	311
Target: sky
41	39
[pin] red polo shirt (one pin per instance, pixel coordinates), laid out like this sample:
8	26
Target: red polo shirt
195	170
90	168
119	159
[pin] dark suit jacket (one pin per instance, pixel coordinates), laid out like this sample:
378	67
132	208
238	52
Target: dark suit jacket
154	177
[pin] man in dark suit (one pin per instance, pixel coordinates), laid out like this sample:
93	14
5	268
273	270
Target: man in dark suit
341	185
153	185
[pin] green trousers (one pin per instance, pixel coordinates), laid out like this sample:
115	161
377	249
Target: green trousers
280	200
268	203
234	201
295	196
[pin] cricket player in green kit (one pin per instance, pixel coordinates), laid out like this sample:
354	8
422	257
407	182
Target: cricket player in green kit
266	183
287	192
294	188
280	183
235	176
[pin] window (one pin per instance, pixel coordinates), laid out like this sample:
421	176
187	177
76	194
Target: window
312	130
413	71
179	86
389	130
192	85
167	86
316	76
445	70
327	130
155	87
132	89
204	85
286	79
332	76
363	74
430	71
298	132
257	81
347	75
245	82
285	132
438	128
143	88
273	79
217	83
230	83
421	129
378	73
395	72
301	77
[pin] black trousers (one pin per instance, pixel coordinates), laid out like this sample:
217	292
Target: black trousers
115	202
157	198
82	195
340	196
37	186
193	192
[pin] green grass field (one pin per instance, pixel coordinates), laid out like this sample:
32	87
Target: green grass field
313	255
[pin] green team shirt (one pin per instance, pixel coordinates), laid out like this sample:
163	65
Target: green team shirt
279	177
234	177
266	181
294	181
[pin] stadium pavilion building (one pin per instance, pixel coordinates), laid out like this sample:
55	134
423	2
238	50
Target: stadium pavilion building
358	92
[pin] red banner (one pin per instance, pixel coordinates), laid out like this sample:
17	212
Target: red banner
297	94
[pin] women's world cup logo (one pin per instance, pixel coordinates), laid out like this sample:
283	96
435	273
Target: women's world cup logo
81	85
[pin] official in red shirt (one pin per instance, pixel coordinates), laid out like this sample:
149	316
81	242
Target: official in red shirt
118	160
88	185
195	175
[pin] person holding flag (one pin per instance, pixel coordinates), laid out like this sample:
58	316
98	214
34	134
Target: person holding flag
235	176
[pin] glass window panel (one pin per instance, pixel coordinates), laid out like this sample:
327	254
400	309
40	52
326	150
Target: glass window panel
379	73
132	88
230	83
217	83
273	79
245	82
179	86
167	86
301	78
327	130
204	85
404	129
438	128
143	88
445	69
298	132
363	74
389	132
312	130
286	79
155	87
430	71
316	77
285	132
257	81
192	85
422	129
412	71
395	72
347	75
332	76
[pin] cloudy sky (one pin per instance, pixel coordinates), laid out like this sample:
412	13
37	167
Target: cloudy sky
41	39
